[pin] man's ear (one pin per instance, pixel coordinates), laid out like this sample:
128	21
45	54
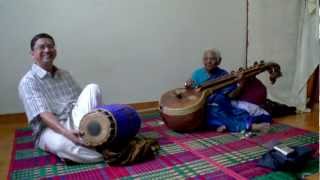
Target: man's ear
31	52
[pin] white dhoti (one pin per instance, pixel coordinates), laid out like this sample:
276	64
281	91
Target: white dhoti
58	144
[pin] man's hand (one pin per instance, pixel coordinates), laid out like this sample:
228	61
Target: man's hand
52	122
74	136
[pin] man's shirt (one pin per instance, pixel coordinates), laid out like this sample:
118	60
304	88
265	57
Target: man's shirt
41	91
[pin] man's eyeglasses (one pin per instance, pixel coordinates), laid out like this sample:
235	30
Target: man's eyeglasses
43	47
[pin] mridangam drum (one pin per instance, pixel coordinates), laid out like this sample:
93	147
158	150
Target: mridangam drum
109	124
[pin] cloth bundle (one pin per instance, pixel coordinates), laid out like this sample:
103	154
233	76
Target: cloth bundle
137	150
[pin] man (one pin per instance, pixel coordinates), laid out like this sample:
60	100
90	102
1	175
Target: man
55	104
223	111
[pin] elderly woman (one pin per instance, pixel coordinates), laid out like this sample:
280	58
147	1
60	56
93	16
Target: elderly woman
231	108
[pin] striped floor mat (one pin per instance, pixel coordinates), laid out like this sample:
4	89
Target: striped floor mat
200	155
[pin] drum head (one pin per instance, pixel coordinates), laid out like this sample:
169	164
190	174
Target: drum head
96	128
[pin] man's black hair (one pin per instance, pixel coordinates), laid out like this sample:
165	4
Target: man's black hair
39	36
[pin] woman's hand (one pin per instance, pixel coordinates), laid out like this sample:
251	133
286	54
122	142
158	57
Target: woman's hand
240	78
189	84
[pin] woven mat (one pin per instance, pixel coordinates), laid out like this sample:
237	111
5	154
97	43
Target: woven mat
200	155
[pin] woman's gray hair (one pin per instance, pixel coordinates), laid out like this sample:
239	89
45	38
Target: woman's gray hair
213	51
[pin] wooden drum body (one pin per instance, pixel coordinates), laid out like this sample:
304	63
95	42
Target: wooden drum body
183	109
110	124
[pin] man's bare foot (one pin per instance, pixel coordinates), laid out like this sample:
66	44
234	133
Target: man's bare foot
221	128
262	127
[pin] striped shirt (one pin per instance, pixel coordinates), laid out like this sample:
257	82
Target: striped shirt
41	91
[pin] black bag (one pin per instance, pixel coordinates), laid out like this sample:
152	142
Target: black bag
294	161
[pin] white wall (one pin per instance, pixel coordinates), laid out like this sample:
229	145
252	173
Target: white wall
135	49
